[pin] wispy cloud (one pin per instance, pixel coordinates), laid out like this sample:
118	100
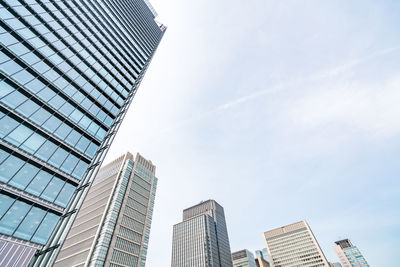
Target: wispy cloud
300	83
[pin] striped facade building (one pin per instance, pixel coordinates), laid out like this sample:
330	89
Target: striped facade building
201	240
294	245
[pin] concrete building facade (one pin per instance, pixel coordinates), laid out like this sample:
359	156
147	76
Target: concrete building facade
201	240
294	245
113	226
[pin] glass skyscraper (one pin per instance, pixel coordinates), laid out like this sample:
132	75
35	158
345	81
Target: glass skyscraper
112	227
349	255
68	72
201	240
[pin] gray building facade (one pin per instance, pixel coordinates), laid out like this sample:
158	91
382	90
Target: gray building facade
68	73
201	240
112	227
243	258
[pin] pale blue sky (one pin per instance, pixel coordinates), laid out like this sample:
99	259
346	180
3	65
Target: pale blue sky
279	110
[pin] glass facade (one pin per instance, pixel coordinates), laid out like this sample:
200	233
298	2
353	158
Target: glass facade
201	240
69	70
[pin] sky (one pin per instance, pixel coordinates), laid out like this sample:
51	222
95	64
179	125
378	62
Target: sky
281	111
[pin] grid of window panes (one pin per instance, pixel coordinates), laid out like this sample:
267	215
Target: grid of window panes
191	243
221	244
136	219
295	248
66	69
354	256
107	230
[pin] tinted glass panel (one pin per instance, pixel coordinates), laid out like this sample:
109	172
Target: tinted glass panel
30	223
45	229
24	176
13	217
65	195
39	183
52	189
9	167
5	203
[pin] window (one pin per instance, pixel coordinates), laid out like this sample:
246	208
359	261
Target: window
52	189
14	99
82	144
58	157
63	131
45	229
40	116
5	89
5	203
39	183
30	223
69	164
24	176
73	137
19	135
33	143
65	195
80	169
7	125
52	124
13	217
28	108
9	167
46	150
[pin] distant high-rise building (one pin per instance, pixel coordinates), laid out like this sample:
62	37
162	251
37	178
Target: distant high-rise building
349	254
260	262
68	73
335	264
262	254
294	245
113	225
201	240
243	258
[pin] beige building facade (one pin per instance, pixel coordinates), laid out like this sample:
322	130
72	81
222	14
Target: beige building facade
294	245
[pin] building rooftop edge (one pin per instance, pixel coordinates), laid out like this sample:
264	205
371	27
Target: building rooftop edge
285	226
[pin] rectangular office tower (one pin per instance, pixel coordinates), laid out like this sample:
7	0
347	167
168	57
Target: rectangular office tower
294	245
243	258
349	254
68	73
113	225
201	240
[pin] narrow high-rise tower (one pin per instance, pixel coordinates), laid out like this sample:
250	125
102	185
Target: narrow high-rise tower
112	227
349	254
294	245
68	73
201	240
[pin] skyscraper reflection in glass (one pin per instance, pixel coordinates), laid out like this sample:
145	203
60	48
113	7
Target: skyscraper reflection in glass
68	73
